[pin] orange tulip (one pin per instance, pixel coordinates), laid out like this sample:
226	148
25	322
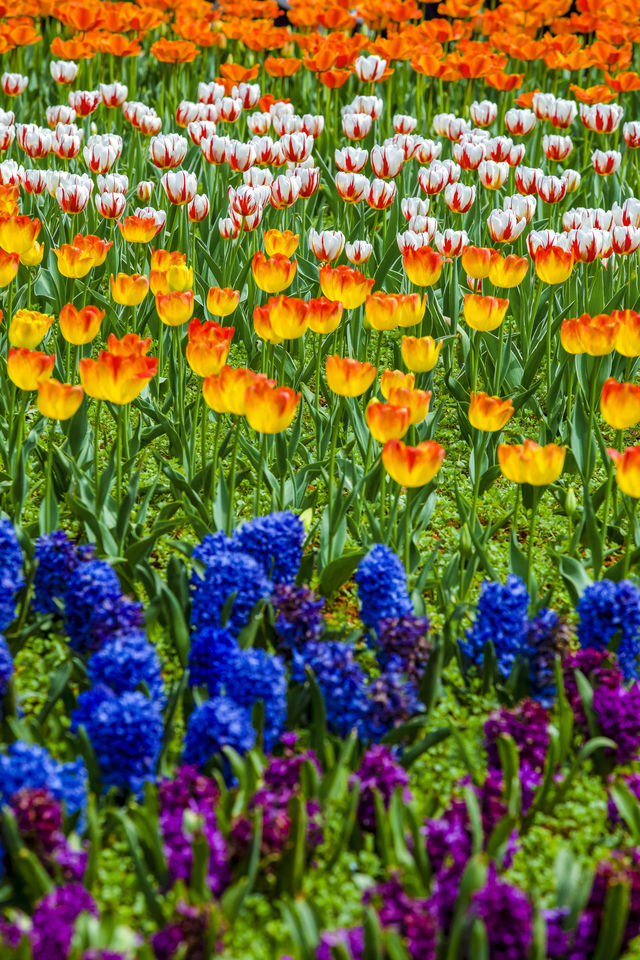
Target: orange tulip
423	266
347	377
345	284
484	313
226	392
9	264
80	326
420	354
324	316
115	377
595	336
221	301
507	272
395	378
412	466
208	347
570	336
530	463
263	326
93	246
553	264
386	421
627	470
620	404
28	327
382	310
34	256
628	332
129	289
18	234
269	408
28	368
416	400
489	413
288	316
176	278
275	274
161	260
476	261
412	308
128	346
138	229
9	193
59	401
175	308
283	242
73	262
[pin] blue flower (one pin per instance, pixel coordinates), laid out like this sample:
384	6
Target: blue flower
392	701
125	662
382	586
126	735
211	547
6	666
95	609
215	724
232	583
211	650
610	612
501	617
11	579
546	638
29	765
299	616
57	558
254	675
341	682
275	541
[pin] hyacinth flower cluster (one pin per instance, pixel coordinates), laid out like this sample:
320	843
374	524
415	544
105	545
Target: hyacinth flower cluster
11	582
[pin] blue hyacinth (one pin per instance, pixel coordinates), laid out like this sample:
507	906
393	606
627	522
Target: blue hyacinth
299	616
211	650
341	682
275	542
501	617
126	735
6	666
123	663
29	765
217	723
95	609
56	559
610	614
254	675
11	578
232	583
382	586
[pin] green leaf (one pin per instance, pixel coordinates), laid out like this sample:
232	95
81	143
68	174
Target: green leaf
338	572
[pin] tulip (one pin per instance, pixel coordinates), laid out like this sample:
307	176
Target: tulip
226	392
412	466
326	245
423	266
129	289
530	463
358	252
28	327
175	308
198	209
269	408
176	278
18	234
476	261
381	310
345	284
553	264
347	377
595	336
484	313
627	340
263	326
386	421
59	401
80	326
131	345
620	404
28	368
489	414
116	377
323	316
420	354
627	470
507	272
416	400
92	246
222	301
282	242
73	262
275	274
208	347
288	316
395	378
137	229
9	264
411	309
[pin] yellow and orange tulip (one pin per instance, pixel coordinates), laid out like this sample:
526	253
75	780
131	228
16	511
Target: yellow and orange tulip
412	466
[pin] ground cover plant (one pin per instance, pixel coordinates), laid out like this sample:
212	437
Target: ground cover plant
320	618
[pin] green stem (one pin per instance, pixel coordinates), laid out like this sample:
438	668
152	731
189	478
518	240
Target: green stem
96	450
257	490
532	530
407	531
49	488
628	550
548	336
232	476
335	429
119	430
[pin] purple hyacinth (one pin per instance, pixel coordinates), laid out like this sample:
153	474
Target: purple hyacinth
404	640
619	868
393	699
527	724
189	800
298	616
507	916
54	919
38	818
187	933
632	782
413	919
547	637
618	715
378	771
353	940
601	669
10	934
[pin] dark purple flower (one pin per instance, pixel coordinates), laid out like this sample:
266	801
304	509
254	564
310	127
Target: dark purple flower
619	868
353	940
618	715
405	640
299	616
38	818
527	723
547	637
10	934
392	701
378	771
413	919
632	781
54	919
187	933
507	916
601	670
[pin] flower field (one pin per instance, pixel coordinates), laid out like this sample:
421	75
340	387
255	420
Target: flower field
319	464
